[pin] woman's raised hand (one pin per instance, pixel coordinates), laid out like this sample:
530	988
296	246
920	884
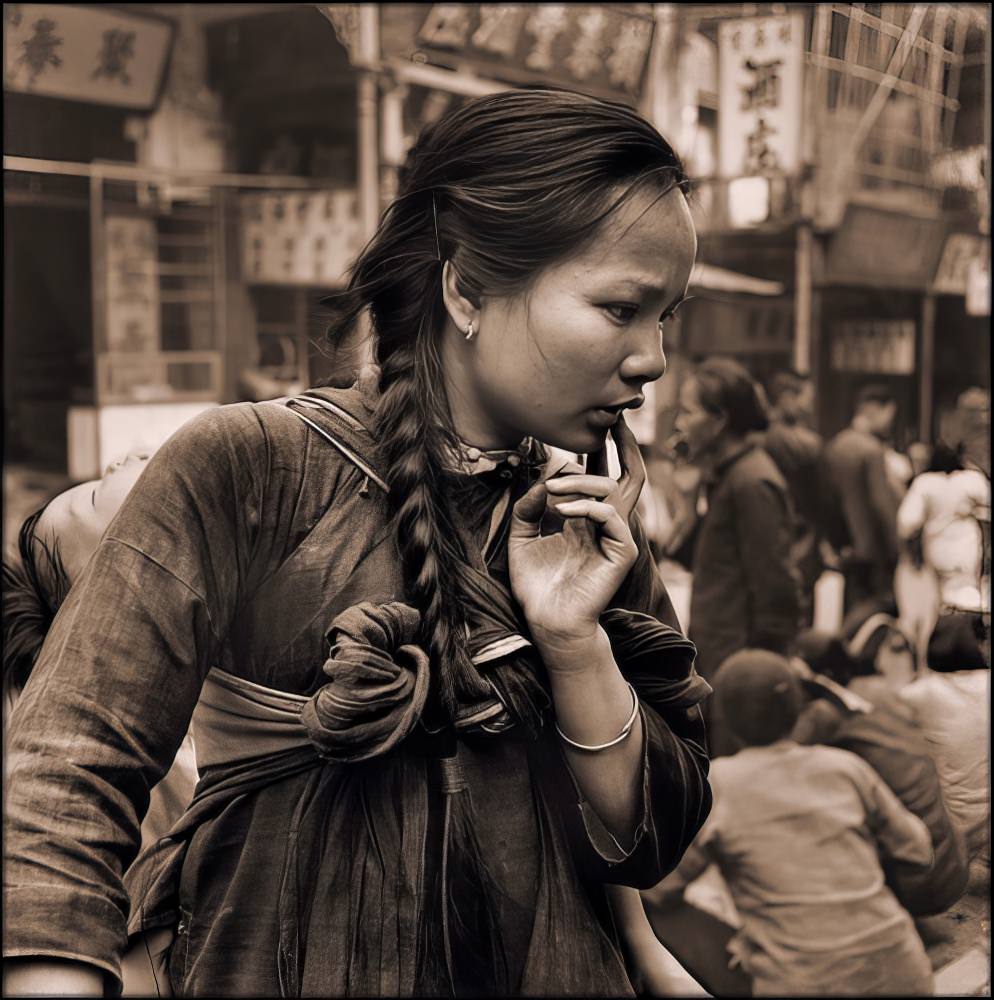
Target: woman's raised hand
564	581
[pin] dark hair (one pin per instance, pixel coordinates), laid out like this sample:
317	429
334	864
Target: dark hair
501	187
785	383
957	643
945	459
724	386
33	591
758	695
826	654
865	628
874	393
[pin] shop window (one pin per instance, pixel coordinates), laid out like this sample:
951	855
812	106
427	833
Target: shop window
156	293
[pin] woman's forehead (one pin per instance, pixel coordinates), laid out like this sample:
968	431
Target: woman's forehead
648	229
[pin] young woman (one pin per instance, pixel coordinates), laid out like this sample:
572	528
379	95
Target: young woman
443	699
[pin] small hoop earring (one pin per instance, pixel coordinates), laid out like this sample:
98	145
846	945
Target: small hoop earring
470	330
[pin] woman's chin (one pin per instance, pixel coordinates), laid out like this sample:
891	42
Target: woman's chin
580	440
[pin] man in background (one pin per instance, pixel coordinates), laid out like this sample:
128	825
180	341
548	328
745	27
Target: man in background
796	449
859	505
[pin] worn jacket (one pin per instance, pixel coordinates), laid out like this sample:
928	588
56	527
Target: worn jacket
247	535
860	505
745	591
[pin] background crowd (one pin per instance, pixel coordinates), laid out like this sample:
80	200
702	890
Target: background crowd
839	598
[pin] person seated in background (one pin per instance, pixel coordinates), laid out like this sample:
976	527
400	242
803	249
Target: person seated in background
883	653
798	833
951	705
54	546
894	747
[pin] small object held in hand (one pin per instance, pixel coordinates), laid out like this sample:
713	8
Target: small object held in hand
620	738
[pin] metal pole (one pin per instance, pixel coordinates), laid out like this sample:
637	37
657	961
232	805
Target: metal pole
802	299
366	108
927	374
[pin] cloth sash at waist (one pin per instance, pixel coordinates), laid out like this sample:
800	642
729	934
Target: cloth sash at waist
237	719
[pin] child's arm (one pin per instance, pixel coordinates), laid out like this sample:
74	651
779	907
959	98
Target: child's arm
900	835
695	862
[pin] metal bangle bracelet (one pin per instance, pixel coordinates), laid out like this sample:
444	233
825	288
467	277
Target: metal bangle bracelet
620	738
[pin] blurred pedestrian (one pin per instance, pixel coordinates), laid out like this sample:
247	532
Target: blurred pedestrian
798	833
870	726
442	699
796	448
745	593
951	705
973	417
883	651
54	545
859	510
940	521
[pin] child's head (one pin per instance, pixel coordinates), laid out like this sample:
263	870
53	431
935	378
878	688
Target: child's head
54	545
959	641
826	654
758	695
878	645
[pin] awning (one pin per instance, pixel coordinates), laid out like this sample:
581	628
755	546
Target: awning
717	279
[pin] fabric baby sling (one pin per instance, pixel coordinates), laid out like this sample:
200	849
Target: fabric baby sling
379	678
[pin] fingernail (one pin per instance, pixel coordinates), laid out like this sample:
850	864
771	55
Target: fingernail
568	505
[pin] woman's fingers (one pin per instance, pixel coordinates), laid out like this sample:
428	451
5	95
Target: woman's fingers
604	514
632	469
526	516
582	485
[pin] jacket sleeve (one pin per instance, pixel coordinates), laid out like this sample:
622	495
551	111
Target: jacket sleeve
883	504
900	835
763	537
110	698
676	796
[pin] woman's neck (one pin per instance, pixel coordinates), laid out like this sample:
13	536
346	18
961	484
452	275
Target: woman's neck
474	427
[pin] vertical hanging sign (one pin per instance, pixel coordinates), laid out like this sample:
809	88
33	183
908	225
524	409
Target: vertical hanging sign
761	77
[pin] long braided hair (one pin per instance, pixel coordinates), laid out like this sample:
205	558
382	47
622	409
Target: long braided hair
501	187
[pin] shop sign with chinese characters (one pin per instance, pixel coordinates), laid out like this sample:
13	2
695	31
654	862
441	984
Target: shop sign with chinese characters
85	53
761	75
600	48
879	347
306	238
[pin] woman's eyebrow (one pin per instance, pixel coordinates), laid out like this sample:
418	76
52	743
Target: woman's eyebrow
641	286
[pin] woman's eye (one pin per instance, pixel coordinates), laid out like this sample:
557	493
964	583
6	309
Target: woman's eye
621	313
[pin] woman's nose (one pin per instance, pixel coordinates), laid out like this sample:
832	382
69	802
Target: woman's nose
648	362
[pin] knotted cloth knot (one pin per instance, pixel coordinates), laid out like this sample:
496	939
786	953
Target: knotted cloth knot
378	683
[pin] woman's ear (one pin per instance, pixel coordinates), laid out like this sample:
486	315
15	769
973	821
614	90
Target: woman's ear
460	309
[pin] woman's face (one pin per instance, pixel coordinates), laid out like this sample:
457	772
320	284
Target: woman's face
77	518
559	361
700	428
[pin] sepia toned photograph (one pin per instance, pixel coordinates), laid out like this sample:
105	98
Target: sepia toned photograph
496	500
